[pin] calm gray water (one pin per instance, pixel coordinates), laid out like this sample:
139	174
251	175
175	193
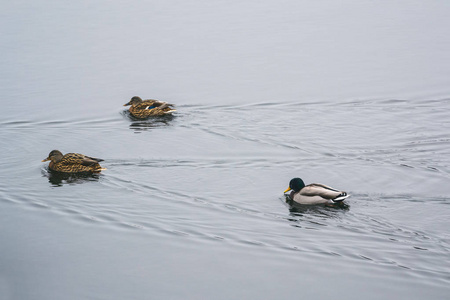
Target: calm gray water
353	94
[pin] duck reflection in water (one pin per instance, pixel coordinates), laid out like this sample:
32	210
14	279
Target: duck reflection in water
59	178
313	216
149	123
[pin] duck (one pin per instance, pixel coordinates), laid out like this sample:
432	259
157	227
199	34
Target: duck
314	193
73	163
142	109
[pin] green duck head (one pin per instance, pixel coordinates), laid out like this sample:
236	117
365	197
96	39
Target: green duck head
295	184
133	101
55	156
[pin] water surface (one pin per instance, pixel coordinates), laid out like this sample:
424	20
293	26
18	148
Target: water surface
353	95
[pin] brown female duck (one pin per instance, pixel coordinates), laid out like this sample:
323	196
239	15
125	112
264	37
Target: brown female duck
73	163
146	108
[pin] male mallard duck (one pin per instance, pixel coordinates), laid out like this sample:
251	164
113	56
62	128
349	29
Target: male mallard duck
73	162
314	193
145	108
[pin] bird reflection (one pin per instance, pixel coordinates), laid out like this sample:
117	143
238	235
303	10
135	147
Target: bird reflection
313	217
139	125
59	178
297	208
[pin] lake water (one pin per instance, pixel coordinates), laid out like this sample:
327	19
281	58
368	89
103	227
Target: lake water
353	94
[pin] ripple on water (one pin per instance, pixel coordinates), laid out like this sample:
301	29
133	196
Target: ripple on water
223	191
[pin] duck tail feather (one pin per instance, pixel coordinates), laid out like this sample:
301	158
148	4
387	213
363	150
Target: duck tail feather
341	197
164	105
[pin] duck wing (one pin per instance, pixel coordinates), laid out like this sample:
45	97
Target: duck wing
161	104
79	159
145	104
323	191
89	161
150	104
164	105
